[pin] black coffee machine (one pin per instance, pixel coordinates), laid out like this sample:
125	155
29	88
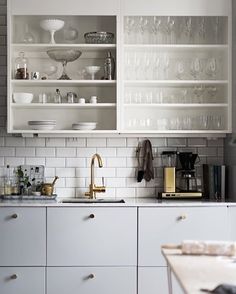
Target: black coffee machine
187	180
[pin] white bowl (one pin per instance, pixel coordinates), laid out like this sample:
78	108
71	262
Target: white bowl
23	97
84	126
52	24
92	69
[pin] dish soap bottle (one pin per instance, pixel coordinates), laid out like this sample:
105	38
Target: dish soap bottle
109	67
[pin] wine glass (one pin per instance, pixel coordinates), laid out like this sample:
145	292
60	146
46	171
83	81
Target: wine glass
64	56
188	29
170	30
156	66
129	29
156	30
92	70
28	37
52	25
166	65
141	28
211	68
202	31
196	68
180	69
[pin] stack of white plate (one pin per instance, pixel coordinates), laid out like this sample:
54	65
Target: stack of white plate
42	124
84	126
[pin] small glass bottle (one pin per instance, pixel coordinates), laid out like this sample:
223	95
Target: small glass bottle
57	96
21	67
7	184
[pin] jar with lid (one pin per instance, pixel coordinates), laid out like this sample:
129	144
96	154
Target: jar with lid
21	67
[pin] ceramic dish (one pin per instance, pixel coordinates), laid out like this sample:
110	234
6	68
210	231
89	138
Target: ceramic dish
42	122
84	126
22	98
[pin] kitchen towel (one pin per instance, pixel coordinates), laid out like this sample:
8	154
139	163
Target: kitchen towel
148	161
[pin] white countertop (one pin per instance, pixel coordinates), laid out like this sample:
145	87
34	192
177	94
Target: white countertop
129	202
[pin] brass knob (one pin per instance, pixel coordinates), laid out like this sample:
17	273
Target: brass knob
91	276
92	215
182	217
14	277
14	215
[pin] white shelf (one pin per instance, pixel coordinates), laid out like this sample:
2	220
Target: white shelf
43	47
67	131
174	82
177	46
63	105
176	105
58	83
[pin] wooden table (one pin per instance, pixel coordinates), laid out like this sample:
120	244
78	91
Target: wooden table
194	272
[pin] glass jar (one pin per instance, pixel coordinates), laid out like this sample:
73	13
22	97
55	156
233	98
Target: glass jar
21	67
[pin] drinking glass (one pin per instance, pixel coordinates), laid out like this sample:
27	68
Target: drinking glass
156	30
217	122
129	30
156	67
146	65
141	28
166	65
170	30
211	68
188	29
180	69
201	34
196	68
136	67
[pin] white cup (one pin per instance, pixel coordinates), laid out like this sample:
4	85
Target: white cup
81	100
93	99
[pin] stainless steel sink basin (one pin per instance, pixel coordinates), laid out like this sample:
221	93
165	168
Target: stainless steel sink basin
82	200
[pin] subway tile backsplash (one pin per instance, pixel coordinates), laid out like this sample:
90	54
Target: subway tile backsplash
69	158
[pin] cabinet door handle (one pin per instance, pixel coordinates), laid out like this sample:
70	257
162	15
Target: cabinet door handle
14	277
91	276
14	215
92	215
182	217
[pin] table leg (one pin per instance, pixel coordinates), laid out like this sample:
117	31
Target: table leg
169	280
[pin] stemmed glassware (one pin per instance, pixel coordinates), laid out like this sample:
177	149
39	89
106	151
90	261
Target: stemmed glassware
188	29
166	66
196	68
129	29
180	69
156	30
142	26
211	68
201	35
170	30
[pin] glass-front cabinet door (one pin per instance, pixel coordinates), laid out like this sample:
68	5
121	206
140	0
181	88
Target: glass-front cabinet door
177	68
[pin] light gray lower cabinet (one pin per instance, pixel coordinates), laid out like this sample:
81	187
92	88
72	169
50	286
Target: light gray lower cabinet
158	226
232	222
90	280
23	236
92	250
22	280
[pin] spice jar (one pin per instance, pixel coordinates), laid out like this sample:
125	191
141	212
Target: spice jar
21	67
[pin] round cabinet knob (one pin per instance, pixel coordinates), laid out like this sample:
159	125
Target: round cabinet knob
14	215
14	277
182	217
91	276
92	215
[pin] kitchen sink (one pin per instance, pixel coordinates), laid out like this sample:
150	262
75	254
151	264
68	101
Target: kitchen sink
84	200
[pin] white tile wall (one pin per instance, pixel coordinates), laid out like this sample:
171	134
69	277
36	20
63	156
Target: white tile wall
69	158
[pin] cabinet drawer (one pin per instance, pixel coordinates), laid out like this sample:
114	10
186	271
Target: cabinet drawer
87	280
158	226
23	236
22	280
87	236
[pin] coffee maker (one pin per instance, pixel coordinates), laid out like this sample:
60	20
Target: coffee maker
180	175
187	179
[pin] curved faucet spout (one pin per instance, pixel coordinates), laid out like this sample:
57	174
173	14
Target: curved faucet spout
93	189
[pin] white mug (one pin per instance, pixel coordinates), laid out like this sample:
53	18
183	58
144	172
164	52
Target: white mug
93	99
81	100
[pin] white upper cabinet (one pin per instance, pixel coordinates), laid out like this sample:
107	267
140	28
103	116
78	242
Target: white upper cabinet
173	67
71	7
173	7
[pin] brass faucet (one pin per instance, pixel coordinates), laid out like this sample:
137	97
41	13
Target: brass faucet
93	189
